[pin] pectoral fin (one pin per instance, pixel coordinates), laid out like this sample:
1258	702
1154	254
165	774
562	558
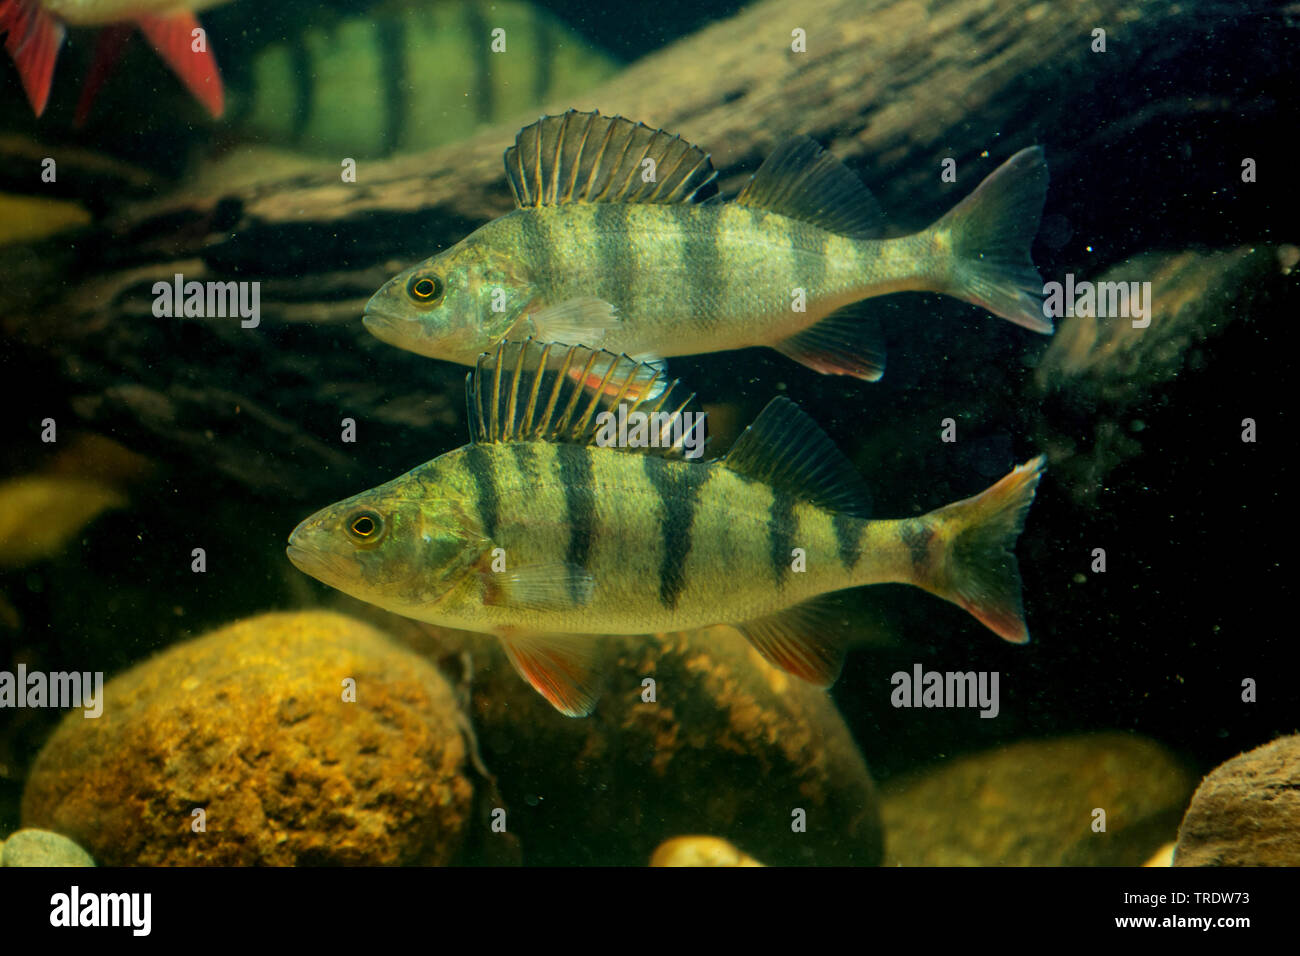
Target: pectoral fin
561	667
541	587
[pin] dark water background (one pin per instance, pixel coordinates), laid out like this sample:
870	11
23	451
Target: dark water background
1200	592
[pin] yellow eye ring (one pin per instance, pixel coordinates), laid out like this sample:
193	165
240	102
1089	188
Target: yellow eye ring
366	527
424	289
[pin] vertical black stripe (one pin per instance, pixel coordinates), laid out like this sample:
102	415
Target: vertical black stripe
678	486
480	41
390	34
780	534
848	530
915	535
536	247
479	463
526	461
614	252
304	90
578	481
703	257
810	270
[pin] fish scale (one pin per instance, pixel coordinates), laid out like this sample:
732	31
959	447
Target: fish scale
550	533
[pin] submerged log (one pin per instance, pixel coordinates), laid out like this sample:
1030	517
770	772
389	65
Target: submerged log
896	85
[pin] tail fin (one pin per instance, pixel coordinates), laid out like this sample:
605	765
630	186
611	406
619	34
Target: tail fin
990	233
978	570
32	37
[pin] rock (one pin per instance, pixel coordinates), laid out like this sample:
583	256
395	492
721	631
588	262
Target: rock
1032	804
700	851
248	724
42	848
1247	811
730	747
1100	376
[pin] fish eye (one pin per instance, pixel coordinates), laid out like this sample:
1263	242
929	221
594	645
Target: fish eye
366	526
425	290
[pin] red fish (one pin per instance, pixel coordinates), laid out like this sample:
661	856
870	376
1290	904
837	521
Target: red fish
34	31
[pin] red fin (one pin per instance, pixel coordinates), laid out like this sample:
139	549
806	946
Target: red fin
32	38
561	667
172	36
108	50
807	640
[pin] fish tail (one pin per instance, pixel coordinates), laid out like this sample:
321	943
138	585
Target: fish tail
32	37
968	551
989	235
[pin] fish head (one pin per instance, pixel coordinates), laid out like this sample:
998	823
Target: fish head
453	306
406	546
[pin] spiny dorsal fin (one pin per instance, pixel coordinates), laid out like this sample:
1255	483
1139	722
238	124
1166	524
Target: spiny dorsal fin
545	391
803	181
586	157
785	449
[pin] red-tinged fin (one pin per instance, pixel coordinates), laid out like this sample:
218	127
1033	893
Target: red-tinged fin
173	37
846	342
108	50
977	570
990	233
32	38
807	640
561	667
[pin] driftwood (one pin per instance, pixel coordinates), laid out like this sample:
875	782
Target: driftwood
892	86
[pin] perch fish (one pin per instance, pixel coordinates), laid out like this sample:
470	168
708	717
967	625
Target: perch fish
544	532
619	243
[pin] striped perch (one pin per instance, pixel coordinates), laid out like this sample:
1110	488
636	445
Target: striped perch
618	243
539	533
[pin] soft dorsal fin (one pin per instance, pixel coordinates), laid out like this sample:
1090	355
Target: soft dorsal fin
544	391
586	157
784	448
803	181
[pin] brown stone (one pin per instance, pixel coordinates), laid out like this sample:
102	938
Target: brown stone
731	747
1247	811
1033	803
248	723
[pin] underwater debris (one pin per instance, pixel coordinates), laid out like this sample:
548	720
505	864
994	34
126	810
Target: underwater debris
246	732
1246	812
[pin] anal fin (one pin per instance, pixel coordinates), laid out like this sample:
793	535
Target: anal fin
109	46
846	342
808	640
32	37
173	37
560	667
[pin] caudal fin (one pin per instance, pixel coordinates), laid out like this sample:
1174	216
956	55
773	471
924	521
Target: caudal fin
977	569
33	38
990	233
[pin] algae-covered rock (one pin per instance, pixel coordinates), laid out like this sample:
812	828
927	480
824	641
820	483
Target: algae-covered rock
729	746
42	848
249	725
1034	804
1247	811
